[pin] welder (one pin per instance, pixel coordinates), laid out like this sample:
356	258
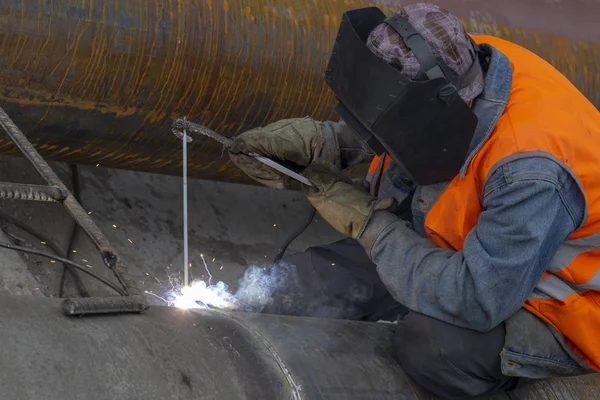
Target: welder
478	231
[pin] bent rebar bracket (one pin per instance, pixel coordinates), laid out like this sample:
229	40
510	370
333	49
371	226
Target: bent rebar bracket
56	191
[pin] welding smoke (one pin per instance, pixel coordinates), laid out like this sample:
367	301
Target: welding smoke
259	286
279	289
256	290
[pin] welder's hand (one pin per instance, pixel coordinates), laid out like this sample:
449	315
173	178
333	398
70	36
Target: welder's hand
298	141
345	204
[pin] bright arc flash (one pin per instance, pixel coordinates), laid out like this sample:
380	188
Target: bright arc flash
199	295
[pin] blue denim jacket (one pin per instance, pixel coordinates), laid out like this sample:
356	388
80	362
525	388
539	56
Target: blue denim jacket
530	206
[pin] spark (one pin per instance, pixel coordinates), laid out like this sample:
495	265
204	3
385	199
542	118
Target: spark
214	258
274	225
52	261
147	274
130	241
89	213
97	165
114	226
43	243
221	268
74	251
84	260
332	264
157	296
206	268
157	280
89	266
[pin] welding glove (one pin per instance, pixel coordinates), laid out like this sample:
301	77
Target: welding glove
345	204
297	141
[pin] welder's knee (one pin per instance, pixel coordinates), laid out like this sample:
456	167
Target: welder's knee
450	362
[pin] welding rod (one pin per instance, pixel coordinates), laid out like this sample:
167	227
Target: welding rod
186	278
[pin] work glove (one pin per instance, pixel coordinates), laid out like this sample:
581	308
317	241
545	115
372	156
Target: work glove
345	204
297	141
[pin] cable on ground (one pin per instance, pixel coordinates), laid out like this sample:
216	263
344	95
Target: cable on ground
65	261
81	288
294	235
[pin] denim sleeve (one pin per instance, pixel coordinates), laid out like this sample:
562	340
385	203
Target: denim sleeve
339	137
530	206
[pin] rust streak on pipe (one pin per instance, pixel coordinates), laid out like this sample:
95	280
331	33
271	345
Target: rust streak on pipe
100	82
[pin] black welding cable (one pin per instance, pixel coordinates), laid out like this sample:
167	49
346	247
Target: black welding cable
83	292
63	279
74	235
295	235
65	261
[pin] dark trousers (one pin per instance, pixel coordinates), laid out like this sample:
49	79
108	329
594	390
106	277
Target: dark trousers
340	281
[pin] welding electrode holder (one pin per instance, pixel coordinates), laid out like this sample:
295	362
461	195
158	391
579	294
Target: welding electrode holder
180	124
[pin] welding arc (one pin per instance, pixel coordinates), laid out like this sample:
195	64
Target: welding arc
65	261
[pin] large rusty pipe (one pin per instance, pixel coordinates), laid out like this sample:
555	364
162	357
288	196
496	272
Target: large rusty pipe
169	353
99	81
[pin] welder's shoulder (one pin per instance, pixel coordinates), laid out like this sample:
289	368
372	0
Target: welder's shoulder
535	174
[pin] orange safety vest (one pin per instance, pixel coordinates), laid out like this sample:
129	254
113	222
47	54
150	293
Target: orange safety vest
546	113
378	165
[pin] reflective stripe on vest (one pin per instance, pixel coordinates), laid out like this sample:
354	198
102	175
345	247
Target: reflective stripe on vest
545	116
555	287
561	265
559	289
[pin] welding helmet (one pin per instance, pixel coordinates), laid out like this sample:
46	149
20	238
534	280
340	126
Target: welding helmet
422	123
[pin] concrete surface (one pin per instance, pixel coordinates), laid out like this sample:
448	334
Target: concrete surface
141	214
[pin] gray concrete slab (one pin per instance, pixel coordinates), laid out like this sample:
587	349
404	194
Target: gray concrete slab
232	225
